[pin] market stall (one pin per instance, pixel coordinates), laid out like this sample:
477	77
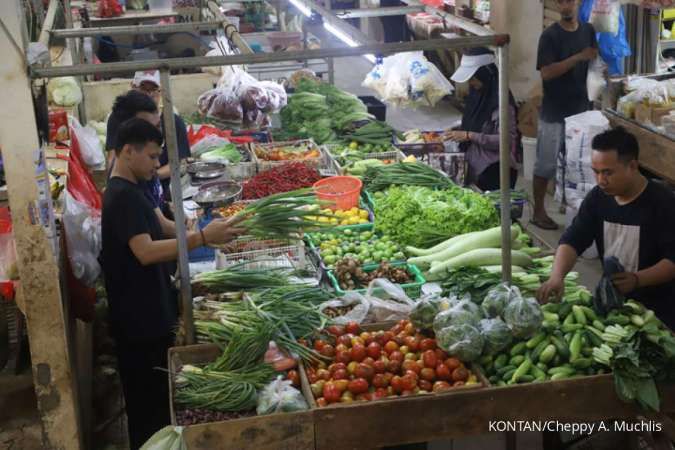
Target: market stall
644	106
370	281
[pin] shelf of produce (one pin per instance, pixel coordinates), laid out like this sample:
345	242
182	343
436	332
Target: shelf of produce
276	431
468	412
657	150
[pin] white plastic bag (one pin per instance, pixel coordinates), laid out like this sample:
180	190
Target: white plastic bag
605	16
280	396
82	225
595	81
64	91
357	314
392	304
168	438
90	144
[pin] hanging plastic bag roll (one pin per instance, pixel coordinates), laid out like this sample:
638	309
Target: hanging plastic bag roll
605	16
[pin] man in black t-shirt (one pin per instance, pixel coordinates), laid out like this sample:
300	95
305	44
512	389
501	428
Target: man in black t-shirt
565	49
143	310
628	217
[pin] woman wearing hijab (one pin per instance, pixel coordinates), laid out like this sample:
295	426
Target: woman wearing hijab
479	132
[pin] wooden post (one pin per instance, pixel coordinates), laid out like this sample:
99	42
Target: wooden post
52	370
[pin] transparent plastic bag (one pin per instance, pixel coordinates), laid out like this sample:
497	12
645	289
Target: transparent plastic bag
595	81
462	340
460	312
207	144
357	314
82	225
605	16
280	396
496	333
425	310
90	144
523	316
497	298
392	304
221	104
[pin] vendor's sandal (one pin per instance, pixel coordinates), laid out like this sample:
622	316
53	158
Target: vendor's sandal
546	224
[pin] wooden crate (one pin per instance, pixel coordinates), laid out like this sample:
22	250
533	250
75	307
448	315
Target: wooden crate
284	431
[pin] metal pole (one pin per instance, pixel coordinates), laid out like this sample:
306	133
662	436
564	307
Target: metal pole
137	29
177	198
232	34
377	12
49	22
505	159
210	61
331	70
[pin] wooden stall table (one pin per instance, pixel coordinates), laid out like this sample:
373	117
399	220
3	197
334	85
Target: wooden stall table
657	150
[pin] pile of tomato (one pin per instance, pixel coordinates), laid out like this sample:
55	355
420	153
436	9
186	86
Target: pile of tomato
373	365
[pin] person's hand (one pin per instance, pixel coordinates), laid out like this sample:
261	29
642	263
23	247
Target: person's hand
554	287
588	54
222	231
458	136
625	282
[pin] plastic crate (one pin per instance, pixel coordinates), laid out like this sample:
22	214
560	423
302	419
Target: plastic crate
375	107
244	170
262	254
264	165
412	290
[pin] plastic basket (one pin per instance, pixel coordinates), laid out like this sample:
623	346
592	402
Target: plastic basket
272	253
369	200
342	191
412	290
264	164
244	170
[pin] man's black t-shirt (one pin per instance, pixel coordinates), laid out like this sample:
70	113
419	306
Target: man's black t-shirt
639	234
141	299
566	95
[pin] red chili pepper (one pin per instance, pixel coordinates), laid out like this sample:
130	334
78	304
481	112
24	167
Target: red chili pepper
284	178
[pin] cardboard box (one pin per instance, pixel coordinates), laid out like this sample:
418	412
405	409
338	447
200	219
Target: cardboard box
647	114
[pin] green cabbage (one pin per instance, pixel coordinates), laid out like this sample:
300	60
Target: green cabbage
463	341
523	316
496	333
227	152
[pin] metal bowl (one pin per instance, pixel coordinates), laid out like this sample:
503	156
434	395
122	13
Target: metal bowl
218	194
206	170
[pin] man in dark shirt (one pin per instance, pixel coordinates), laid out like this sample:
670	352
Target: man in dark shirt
628	217
147	82
565	49
143	310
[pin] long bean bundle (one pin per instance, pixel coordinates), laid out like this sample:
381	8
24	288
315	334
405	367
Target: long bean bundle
410	174
281	216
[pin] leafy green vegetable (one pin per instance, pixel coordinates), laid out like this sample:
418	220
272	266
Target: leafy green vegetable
496	333
463	311
228	152
425	310
463	341
421	217
496	300
523	315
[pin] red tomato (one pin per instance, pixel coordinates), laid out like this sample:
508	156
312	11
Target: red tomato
343	357
318	345
380	366
399	339
410	365
404	349
321	402
396	356
353	328
411	356
427	344
351	367
441	355
345	339
323	374
341	385
328	351
425	385
412	374
367	337
441	386
386	337
458	383
358	353
312	378
412	343
341	348
409	329
379	393
347	397
340	374
452	363
364	371
408	382
396	329
294	376
358	386
397	384
460	374
388	376
429	359
331	393
380	381
374	350
356	340
369	361
390	346
336	330
442	372
335	366
428	374
394	366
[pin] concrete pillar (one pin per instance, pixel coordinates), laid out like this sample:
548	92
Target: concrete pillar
523	20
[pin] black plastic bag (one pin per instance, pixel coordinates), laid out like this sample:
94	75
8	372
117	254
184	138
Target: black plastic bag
606	296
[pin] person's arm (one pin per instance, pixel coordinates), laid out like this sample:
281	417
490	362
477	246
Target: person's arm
490	142
565	258
558	69
168	226
164	172
660	273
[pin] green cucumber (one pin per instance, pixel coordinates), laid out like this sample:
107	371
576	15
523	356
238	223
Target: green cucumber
517	360
505	369
518	349
548	354
500	361
535	340
540	348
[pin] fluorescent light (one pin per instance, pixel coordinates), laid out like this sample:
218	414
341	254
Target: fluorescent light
340	35
301	7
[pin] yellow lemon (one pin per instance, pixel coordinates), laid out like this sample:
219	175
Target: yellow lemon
363	214
363	221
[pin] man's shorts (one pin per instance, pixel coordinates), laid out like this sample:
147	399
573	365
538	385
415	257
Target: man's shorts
550	143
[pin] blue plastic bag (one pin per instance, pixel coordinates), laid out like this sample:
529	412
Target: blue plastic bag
612	48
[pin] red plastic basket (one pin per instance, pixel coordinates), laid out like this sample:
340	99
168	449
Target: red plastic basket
342	191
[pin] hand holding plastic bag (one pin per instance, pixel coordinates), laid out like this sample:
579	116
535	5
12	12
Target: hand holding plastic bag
280	396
